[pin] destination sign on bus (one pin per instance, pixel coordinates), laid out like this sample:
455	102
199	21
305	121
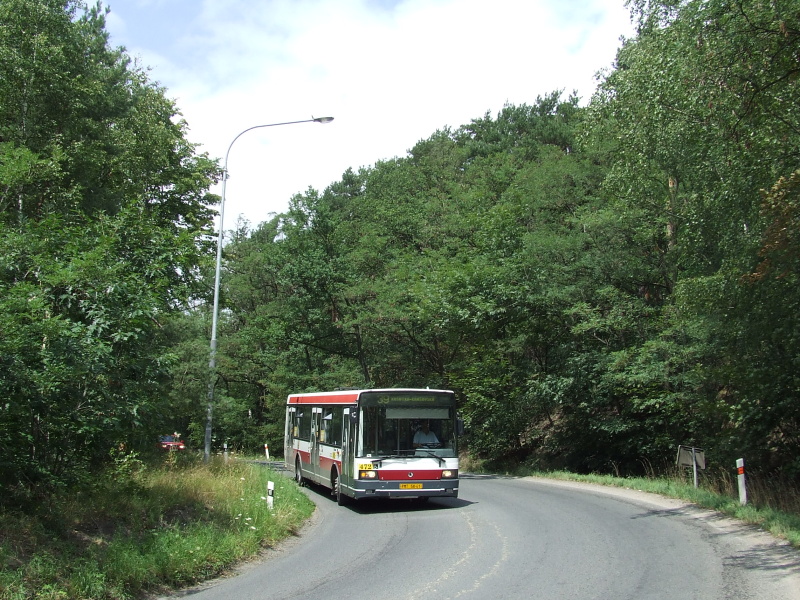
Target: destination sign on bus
405	399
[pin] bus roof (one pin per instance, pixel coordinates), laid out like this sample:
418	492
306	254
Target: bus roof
350	396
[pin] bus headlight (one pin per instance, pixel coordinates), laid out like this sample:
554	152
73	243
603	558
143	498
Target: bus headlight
367	474
450	474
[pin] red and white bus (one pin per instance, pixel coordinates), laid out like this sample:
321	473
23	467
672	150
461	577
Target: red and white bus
386	443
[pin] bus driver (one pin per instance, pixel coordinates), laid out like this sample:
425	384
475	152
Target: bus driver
425	437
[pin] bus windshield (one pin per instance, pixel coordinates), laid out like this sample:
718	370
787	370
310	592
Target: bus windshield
407	431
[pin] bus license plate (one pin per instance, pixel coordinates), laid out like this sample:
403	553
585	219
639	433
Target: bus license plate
410	486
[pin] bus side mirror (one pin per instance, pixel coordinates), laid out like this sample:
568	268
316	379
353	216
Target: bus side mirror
354	417
460	426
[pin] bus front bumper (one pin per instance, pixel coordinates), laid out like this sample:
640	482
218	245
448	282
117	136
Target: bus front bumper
417	489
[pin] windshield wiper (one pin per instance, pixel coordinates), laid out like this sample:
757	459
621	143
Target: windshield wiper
434	455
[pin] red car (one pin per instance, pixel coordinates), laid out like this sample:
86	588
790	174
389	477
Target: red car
171	442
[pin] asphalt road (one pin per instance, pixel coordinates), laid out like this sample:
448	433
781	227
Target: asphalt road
518	538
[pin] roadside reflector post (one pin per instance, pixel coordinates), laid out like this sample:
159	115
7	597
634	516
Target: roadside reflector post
266	450
742	487
225	451
270	494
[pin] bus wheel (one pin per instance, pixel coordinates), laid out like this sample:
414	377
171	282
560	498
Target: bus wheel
298	474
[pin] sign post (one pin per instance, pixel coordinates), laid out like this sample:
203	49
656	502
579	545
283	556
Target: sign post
266	450
689	456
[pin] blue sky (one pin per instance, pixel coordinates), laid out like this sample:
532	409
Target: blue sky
391	72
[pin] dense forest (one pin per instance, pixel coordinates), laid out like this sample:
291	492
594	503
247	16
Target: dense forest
104	230
598	279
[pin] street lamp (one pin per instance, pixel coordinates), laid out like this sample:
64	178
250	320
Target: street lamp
212	362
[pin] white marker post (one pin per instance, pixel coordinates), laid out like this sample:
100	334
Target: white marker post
270	495
266	450
225	454
742	487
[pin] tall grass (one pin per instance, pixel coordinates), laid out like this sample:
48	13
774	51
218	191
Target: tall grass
142	529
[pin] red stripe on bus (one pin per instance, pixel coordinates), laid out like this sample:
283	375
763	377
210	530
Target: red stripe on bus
324	399
326	463
409	474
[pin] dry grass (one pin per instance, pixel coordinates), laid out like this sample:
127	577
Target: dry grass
143	529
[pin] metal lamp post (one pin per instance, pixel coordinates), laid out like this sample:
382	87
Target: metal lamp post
212	362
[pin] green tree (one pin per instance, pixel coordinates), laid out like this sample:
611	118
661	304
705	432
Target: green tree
103	228
704	105
404	273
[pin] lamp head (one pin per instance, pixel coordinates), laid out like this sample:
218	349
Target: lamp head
322	119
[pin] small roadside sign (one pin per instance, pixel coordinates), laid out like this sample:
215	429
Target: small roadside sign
689	456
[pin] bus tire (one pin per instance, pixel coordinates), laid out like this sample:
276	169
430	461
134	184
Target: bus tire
298	473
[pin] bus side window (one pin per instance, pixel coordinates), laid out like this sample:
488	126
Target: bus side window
337	419
323	425
332	426
303	424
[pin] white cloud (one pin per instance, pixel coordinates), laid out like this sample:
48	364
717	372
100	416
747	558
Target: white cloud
390	72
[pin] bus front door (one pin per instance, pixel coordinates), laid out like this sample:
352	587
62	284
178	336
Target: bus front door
316	432
347	460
